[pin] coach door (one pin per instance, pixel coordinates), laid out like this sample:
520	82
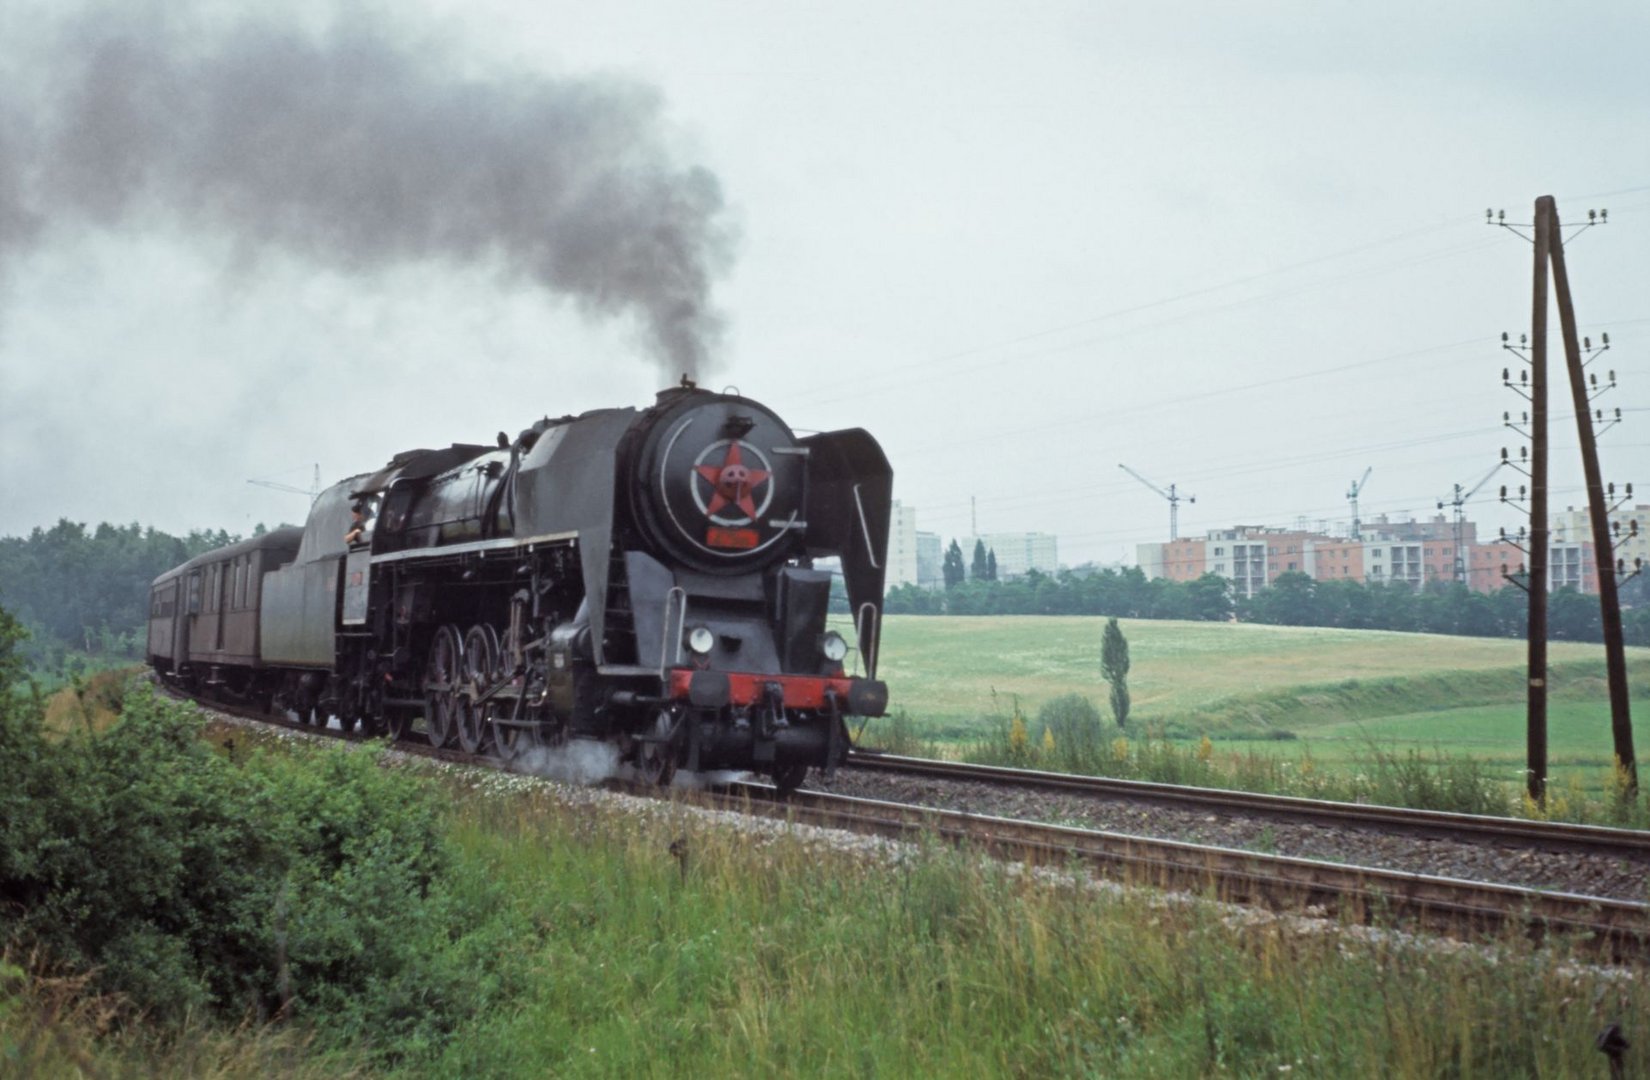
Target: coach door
187	600
220	600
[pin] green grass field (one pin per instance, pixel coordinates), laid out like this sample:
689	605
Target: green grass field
1338	692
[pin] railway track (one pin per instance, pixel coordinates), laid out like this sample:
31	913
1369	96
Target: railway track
1548	835
1617	929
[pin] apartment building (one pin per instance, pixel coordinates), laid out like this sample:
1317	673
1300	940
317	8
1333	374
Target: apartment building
902	546
1018	553
930	560
1409	553
1629	533
1570	564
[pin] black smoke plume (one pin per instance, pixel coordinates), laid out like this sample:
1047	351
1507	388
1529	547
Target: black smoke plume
357	145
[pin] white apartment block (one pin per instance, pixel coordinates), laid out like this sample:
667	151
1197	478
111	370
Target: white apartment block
930	560
902	545
1237	558
1017	553
1575	526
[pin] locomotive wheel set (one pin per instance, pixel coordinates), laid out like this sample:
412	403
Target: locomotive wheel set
646	578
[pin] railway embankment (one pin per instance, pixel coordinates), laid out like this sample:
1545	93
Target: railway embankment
656	937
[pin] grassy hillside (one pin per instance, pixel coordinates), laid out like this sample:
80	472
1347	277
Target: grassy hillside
1336	693
1222	677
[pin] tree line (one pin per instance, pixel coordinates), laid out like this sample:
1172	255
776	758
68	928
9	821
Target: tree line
1294	599
85	592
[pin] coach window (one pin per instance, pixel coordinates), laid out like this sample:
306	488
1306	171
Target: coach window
240	583
194	598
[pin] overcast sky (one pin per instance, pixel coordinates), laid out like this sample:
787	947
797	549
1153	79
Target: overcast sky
1020	243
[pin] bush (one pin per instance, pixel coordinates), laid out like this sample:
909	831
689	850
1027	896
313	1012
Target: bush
1075	728
314	887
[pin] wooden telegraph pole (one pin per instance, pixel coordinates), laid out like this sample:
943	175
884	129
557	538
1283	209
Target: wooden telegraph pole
1546	214
1615	658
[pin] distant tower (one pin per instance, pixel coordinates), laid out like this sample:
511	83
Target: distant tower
1352	497
313	491
1173	496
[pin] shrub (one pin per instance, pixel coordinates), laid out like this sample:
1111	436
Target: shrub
1075	725
896	734
311	886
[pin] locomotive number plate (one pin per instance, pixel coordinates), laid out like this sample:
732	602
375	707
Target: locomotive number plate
740	539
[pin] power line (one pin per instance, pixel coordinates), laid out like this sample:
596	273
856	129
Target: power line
1143	406
916	367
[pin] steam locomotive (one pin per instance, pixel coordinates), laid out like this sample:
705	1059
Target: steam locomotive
649	578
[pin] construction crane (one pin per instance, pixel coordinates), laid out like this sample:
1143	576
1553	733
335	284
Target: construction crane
1173	497
1352	497
1458	501
312	491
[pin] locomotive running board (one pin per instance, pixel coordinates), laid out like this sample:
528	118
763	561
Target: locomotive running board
508	543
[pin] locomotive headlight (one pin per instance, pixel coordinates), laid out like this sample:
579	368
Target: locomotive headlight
833	647
700	640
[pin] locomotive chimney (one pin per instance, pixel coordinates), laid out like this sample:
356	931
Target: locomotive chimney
673	393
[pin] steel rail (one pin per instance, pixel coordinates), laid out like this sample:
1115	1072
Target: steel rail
1553	835
1279	883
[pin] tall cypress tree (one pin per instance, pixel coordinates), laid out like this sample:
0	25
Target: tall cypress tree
1114	668
952	567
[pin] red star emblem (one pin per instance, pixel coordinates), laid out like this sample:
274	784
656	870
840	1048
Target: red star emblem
733	482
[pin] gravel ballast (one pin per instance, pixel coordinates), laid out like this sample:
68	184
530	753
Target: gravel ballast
1626	877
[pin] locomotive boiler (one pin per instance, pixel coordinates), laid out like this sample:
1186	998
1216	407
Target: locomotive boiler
658	579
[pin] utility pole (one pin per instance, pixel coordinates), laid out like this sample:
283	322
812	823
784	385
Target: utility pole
1173	496
1615	659
1536	700
1532	386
